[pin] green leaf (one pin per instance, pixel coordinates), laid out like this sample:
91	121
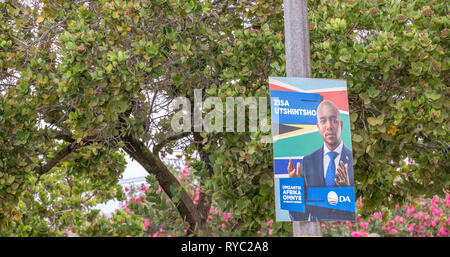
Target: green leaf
177	79
109	68
373	92
372	121
432	96
357	138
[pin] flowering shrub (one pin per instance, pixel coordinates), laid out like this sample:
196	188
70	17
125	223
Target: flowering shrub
422	218
149	212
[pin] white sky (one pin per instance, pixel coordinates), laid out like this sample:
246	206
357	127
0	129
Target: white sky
133	169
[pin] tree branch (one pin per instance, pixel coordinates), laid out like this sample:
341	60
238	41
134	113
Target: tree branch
63	153
205	200
161	143
57	158
372	161
153	165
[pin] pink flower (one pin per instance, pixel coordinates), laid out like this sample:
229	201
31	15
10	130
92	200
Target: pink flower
225	219
364	224
197	195
378	215
420	215
224	226
399	219
137	200
159	190
437	212
419	228
146	222
69	229
355	234
209	218
161	230
411	227
394	231
126	189
186	170
270	232
211	210
435	200
269	223
434	222
227	215
443	231
323	225
410	209
156	234
259	232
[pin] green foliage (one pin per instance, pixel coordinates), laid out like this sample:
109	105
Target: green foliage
89	69
422	218
57	203
392	56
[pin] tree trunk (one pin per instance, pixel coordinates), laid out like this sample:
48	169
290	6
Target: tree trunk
153	165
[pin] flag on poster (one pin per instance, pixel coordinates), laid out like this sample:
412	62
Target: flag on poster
313	163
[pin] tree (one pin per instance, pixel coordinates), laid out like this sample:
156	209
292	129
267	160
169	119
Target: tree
82	82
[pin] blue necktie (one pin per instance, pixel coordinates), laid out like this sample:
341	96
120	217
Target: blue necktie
331	170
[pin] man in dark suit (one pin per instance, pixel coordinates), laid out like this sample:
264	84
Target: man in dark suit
331	165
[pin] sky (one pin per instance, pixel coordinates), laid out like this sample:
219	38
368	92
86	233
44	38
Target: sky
133	170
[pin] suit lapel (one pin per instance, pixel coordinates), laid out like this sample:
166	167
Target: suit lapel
321	179
345	156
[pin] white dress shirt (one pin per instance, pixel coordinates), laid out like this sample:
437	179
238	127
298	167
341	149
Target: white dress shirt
326	158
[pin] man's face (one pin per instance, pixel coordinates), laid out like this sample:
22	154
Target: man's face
330	125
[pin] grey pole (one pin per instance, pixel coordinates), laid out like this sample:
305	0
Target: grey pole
298	64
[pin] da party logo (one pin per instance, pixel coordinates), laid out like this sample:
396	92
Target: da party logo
338	198
332	198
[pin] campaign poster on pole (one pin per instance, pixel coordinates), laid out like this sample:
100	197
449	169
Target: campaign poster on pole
312	146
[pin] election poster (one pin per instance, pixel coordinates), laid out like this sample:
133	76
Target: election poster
312	146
